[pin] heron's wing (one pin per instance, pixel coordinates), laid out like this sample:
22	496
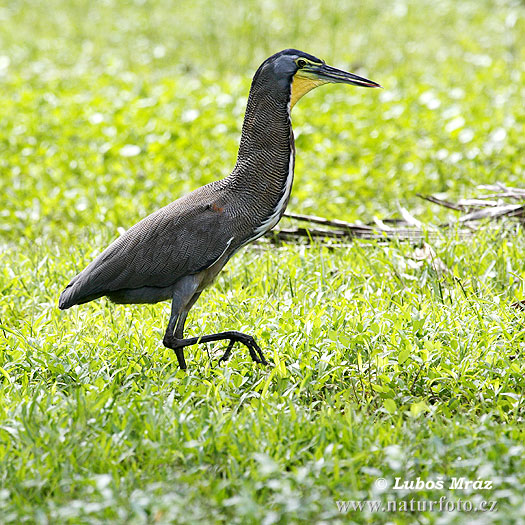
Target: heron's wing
180	239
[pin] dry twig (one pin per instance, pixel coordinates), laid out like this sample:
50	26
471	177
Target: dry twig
408	228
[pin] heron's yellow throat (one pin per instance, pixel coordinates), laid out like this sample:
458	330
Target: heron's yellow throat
302	84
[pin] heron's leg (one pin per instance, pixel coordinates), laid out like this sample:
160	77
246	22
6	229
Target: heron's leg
179	330
184	298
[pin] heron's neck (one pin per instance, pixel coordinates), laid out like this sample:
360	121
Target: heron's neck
266	152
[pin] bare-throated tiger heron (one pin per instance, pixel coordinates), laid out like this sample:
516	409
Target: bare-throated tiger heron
178	251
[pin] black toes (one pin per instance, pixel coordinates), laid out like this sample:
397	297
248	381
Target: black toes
227	353
253	349
178	344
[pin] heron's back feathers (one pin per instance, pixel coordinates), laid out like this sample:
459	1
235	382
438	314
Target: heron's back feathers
180	239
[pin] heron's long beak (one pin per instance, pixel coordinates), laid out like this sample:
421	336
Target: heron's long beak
332	74
313	75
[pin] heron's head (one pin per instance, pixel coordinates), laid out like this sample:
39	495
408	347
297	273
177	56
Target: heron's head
300	72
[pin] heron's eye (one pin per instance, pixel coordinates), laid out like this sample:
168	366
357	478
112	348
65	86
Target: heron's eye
301	63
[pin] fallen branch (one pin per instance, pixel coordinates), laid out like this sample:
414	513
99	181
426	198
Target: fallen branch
358	232
336	223
483	208
442	202
408	228
508	210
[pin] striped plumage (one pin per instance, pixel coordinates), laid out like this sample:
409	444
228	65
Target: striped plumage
177	251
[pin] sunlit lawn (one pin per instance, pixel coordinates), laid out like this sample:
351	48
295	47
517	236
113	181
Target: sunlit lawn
382	367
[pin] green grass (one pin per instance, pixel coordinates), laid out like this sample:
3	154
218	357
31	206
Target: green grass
383	367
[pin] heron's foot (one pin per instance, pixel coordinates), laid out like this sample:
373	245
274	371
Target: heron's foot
178	344
227	354
253	348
